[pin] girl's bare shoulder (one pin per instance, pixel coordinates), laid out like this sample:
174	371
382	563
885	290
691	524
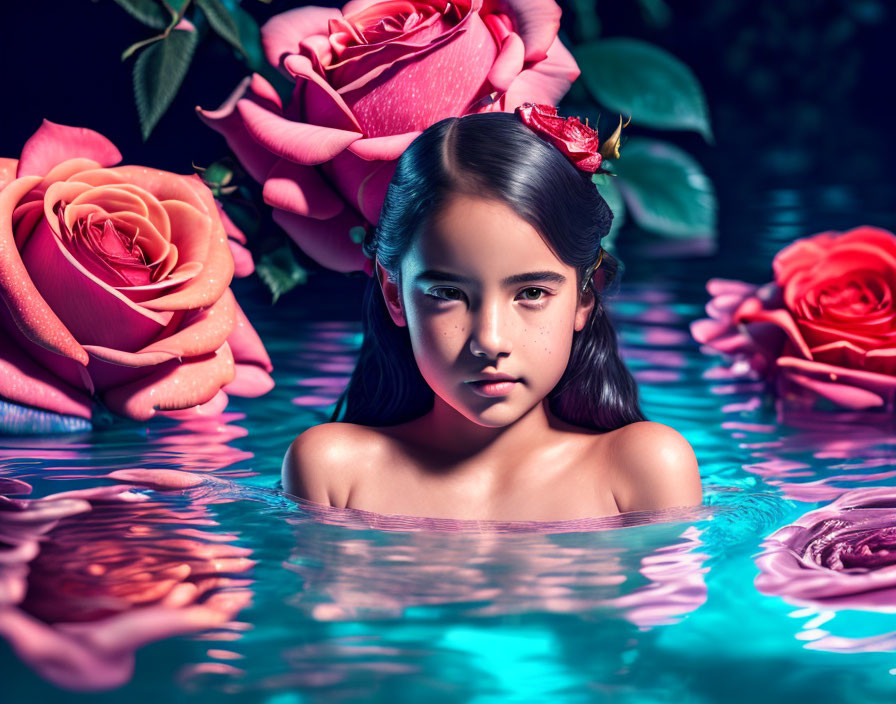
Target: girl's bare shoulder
653	467
322	463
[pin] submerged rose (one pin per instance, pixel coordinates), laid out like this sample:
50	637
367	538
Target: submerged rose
368	80
115	285
840	556
824	329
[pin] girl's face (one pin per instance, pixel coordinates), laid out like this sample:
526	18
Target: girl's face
481	293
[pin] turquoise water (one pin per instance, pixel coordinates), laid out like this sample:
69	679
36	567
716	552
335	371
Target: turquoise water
301	606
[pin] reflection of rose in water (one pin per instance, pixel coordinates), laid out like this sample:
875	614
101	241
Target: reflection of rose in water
808	455
488	568
88	576
199	444
195	444
841	556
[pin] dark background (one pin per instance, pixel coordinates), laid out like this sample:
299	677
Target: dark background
799	96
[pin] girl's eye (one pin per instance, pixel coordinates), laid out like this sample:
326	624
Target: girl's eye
446	293
533	294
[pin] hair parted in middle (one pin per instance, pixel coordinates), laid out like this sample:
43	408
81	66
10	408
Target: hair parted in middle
491	155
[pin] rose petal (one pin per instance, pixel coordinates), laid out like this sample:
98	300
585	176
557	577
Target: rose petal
7	171
751	311
708	330
537	22
843	395
209	409
459	62
282	34
882	385
297	141
217	269
25	382
300	189
52	144
173	385
546	82
386	148
366	181
326	241
250	381
733	287
315	100
97	314
33	316
243	265
233	232
245	344
372	190
509	63
141	180
71	371
817	334
882	361
198	332
256	159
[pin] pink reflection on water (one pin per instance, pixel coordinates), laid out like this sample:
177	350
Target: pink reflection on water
489	568
329	353
196	444
89	576
795	454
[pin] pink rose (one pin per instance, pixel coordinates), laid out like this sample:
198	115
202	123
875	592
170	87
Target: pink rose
368	80
839	556
825	328
115	284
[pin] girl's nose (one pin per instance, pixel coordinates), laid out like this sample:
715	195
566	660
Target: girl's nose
490	338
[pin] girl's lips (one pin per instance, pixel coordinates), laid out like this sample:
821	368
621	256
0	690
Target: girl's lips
493	388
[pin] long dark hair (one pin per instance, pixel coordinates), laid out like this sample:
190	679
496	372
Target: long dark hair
491	155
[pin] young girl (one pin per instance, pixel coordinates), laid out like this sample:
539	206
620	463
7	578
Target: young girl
489	384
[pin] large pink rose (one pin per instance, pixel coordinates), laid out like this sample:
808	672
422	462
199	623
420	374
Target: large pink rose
368	80
115	285
825	328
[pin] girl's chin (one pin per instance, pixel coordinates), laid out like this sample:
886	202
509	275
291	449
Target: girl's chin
496	416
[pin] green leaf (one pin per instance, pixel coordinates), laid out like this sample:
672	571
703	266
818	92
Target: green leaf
250	38
280	271
175	5
646	82
158	73
222	22
244	215
656	13
609	190
149	12
125	55
587	24
665	189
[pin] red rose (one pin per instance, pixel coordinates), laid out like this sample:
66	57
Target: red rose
826	327
578	142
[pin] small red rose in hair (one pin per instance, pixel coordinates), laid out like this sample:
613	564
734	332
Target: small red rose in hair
578	142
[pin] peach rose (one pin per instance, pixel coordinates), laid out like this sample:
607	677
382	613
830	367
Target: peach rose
368	79
115	285
825	328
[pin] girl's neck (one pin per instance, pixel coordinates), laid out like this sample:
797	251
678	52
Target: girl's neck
453	433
